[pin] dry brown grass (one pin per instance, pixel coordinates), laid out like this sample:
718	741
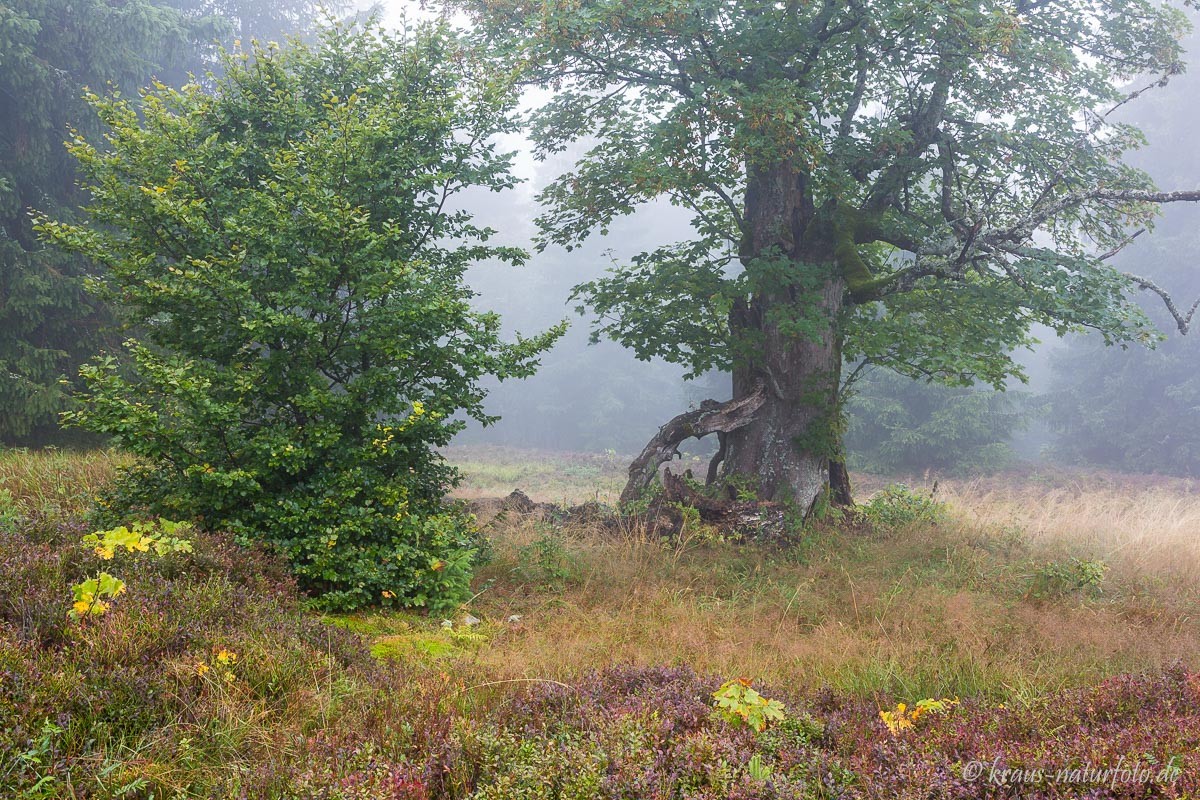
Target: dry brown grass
931	610
1145	530
54	481
925	611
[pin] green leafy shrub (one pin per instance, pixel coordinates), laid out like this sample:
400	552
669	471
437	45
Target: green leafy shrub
281	243
546	563
795	730
1058	578
93	595
898	506
739	703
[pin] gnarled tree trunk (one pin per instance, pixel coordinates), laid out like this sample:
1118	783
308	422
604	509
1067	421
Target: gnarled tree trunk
789	331
786	451
787	443
711	417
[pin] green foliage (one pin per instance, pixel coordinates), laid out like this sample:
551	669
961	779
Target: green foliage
512	766
738	703
895	423
898	506
159	535
8	509
1058	578
546	563
795	730
774	84
92	596
38	760
758	769
241	21
285	244
742	487
49	51
915	184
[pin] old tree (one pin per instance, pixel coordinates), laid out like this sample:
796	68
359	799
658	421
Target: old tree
908	183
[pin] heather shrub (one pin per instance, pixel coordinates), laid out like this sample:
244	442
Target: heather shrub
508	765
207	679
200	649
361	771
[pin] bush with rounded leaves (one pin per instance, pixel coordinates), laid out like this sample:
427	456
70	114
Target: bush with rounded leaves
283	246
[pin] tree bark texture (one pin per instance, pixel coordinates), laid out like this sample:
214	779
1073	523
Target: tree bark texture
787	449
711	417
781	432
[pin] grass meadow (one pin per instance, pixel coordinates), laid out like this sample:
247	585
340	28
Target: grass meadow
1056	614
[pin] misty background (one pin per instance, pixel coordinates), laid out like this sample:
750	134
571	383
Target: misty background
1129	409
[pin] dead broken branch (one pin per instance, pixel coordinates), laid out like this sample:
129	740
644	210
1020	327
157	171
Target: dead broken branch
710	417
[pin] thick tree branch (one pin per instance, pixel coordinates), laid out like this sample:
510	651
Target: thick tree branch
924	127
1182	321
711	417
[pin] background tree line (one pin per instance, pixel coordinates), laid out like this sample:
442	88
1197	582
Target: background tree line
50	50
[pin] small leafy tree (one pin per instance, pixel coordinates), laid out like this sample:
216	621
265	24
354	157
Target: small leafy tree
283	246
